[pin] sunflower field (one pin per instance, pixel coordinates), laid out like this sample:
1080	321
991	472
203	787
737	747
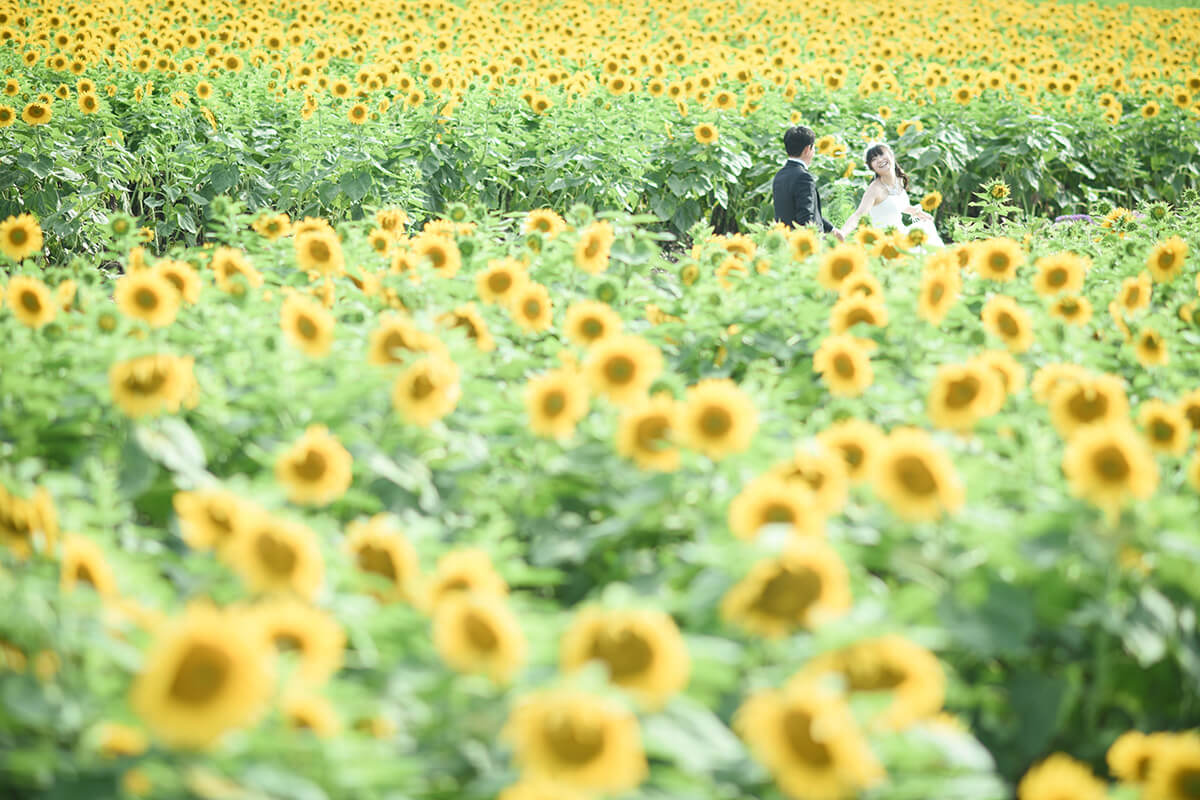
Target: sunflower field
413	401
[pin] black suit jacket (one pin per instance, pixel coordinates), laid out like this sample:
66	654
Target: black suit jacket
796	199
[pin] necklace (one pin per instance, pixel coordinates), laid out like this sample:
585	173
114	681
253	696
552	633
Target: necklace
894	190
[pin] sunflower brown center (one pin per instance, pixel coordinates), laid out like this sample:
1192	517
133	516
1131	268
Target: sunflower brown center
421	388
18	236
553	403
1057	277
500	282
377	561
874	677
200	675
1111	464
146	384
307	328
625	652
715	422
1166	259
146	299
843	365
797	731
936	293
319	251
592	328
1162	431
842	267
860	314
83	574
651	433
961	393
276	556
312	467
1008	325
1085	406
219	519
287	642
1133	296
573	741
620	369
777	513
787	594
31	302
914	475
480	633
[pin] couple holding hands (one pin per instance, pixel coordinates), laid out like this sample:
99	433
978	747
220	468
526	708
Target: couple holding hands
886	198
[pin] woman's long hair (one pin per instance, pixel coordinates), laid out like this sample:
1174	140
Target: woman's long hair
876	150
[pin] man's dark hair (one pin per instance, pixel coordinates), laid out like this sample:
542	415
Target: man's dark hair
796	138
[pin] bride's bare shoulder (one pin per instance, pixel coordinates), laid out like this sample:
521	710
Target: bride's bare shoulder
875	191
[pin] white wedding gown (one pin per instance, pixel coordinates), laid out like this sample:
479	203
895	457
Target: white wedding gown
887	215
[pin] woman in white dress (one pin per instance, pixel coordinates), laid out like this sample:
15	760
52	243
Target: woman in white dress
886	199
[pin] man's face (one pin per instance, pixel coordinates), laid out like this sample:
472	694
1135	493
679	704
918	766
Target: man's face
806	155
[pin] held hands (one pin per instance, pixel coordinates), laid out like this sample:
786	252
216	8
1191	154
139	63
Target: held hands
916	212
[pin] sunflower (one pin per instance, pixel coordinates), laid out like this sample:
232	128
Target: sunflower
582	740
1061	776
938	293
30	301
83	562
440	251
20	237
646	433
1166	258
844	364
802	587
465	570
206	674
37	114
997	259
275	555
397	340
467	318
299	632
803	242
912	675
319	251
501	280
151	384
315	470
1059	272
718	419
1151	348
555	402
305	711
147	296
863	283
1175	767
822	472
208	518
963	394
1072	309
8	116
1130	756
932	201
476	633
307	325
856	441
809	741
1151	110
622	367
427	390
857	309
116	740
642	650
840	263
771	500
706	133
1006	320
589	321
531	308
544	221
233	270
272	226
358	113
1189	404
1166	427
593	247
182	277
1108	465
1134	294
915	477
88	103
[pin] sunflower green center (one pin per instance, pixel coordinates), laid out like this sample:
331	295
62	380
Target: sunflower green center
625	652
572	741
915	476
200	676
276	556
797	730
787	594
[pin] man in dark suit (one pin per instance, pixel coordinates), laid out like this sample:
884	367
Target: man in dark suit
796	199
